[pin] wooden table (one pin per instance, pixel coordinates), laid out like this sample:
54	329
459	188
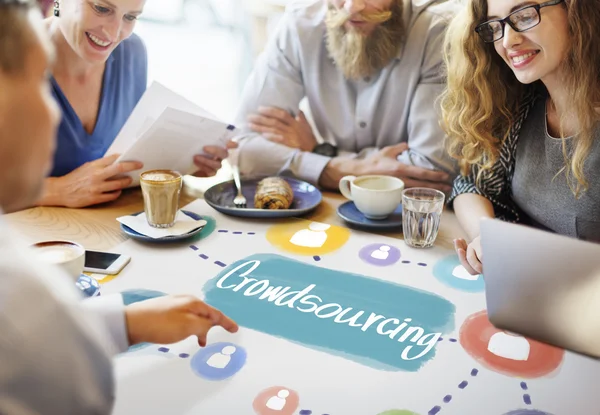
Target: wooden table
96	227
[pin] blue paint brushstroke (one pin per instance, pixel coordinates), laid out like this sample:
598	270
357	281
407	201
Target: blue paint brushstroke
433	314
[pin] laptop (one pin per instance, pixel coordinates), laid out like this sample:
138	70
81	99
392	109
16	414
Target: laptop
542	285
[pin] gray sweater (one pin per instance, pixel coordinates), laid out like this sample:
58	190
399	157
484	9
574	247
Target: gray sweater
543	196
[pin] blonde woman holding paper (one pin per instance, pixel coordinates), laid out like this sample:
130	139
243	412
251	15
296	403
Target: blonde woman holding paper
99	75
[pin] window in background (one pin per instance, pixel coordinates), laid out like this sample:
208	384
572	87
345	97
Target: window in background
199	48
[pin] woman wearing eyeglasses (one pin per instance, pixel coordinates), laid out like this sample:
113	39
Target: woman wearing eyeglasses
522	112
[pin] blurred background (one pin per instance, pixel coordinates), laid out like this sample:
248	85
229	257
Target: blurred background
205	49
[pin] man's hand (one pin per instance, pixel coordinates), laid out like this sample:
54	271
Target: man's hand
209	164
281	127
166	320
385	162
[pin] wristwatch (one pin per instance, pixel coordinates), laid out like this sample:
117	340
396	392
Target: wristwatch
326	149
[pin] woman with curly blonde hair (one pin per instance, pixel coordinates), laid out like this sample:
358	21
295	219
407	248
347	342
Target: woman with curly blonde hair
522	112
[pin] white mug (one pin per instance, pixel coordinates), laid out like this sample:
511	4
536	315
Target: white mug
70	256
376	196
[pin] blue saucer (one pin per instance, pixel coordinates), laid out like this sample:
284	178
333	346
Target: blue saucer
88	286
140	237
220	197
352	215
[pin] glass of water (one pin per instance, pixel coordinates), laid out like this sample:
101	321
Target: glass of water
421	212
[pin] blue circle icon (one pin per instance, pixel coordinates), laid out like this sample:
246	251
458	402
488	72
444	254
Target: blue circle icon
450	272
380	255
218	361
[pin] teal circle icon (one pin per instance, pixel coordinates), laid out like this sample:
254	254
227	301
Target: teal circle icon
450	272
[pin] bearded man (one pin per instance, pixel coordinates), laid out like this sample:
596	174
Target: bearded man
370	72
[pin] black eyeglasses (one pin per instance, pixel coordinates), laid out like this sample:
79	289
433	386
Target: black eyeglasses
520	20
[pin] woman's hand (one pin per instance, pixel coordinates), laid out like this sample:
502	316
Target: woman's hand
470	255
170	319
93	183
281	127
209	164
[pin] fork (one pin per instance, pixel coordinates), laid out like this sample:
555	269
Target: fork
239	201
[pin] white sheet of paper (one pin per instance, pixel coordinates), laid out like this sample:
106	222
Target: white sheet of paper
155	100
165	131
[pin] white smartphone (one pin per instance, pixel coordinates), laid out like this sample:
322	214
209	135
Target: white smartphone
105	262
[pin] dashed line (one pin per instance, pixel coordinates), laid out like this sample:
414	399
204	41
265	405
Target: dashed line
317	258
236	232
203	256
451	340
526	396
422	264
167	350
406	262
194	247
219	263
448	398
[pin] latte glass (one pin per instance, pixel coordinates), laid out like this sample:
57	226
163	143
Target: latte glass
161	189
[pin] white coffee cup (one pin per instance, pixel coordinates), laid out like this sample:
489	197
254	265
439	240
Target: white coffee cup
376	196
68	255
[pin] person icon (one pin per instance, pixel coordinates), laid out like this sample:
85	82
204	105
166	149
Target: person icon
221	360
460	272
509	346
313	237
382	253
277	403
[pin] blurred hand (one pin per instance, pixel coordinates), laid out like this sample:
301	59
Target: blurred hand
93	183
209	164
281	127
470	255
385	162
170	319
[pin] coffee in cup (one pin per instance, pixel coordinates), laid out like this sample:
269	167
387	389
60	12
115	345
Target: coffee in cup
375	196
70	256
161	189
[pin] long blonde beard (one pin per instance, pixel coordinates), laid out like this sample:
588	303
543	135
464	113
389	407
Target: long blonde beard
358	55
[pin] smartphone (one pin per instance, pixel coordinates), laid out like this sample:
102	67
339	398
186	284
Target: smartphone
105	262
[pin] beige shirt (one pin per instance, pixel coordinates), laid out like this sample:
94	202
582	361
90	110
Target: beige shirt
56	349
396	105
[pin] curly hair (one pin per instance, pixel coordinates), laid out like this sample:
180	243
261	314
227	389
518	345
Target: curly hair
482	94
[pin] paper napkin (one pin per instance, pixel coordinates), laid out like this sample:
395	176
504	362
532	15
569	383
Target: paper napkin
183	224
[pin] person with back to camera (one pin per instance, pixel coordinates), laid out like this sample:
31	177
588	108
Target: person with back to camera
55	347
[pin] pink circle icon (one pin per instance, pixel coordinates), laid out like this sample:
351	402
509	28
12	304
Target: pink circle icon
276	400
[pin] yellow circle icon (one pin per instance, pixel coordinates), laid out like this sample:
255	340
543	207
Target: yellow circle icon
305	237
